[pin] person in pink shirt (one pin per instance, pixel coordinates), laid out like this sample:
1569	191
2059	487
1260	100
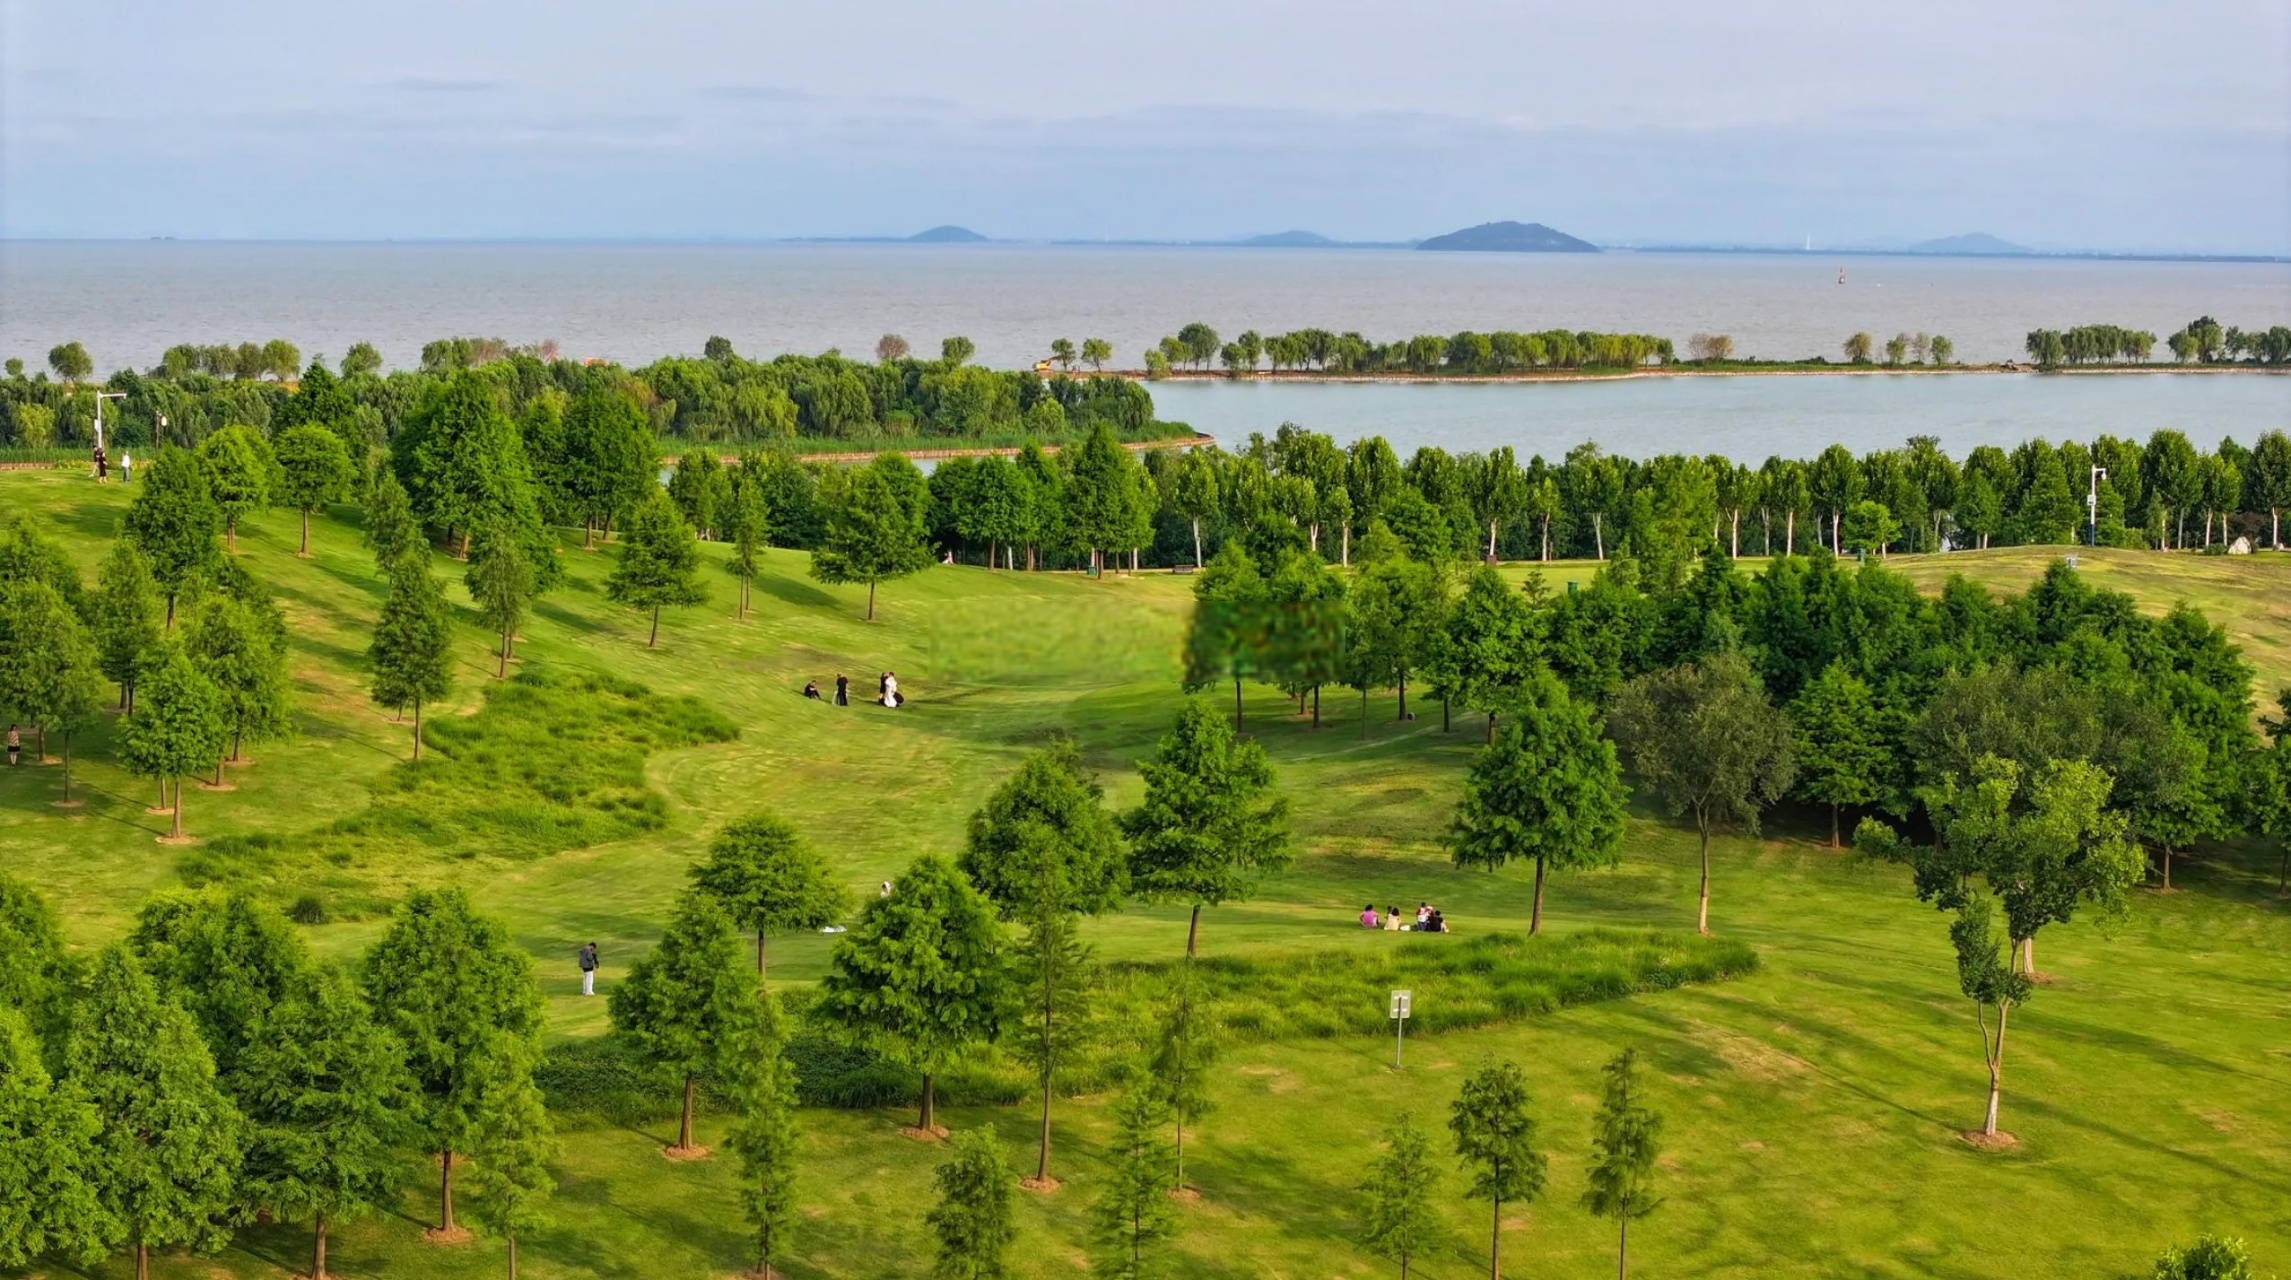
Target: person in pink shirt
1368	916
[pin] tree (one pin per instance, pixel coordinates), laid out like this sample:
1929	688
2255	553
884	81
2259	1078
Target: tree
232	645
1132	1221
1095	353
1185	1047
690	1008
459	995
500	582
1869	526
1838	742
1835	483
167	1156
1991	983
747	526
611	457
1548	789
975	1219
509	1171
1101	499
768	880
176	729
1705	740
1045	851
876	527
70	361
1857	348
173	520
391	530
48	1132
922	973
1495	1138
1211	823
658	565
41	979
2267	481
314	470
49	669
957	349
1396	612
1625	1143
241	473
1401	1222
123	614
327	1089
2209	1258
1229	633
693	486
464	464
765	1139
412	646
1489	645
1193	493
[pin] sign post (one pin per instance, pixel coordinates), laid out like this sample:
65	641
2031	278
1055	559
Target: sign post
1399	1024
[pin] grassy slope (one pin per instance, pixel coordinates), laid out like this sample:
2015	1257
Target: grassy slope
1812	1106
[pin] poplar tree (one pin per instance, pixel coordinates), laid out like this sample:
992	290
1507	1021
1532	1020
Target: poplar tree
173	520
1185	1047
922	974
458	993
1132	1219
769	880
1211	824
392	533
124	616
877	526
765	1139
48	1206
167	1155
230	644
314	470
327	1091
1495	1138
1402	1223
1045	850
690	1008
1626	1141
176	728
659	563
241	474
48	666
509	1178
975	1219
1548	790
500	582
412	646
1841	751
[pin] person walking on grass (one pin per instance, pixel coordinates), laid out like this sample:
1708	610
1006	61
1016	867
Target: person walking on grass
589	969
15	746
126	460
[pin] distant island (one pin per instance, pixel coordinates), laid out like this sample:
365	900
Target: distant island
1289	240
1509	237
948	234
1971	244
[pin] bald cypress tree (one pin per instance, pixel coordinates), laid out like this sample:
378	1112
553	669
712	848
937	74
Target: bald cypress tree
48	1205
769	880
509	1176
692	1008
659	562
174	521
1211	824
411	649
123	615
177	727
1547	790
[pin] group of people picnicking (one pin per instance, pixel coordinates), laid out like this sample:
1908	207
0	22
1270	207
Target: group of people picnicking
886	690
1428	919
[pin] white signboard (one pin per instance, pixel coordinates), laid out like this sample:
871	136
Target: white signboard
1400	1004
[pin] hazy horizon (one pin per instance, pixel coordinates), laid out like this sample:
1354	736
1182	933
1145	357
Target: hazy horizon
2107	126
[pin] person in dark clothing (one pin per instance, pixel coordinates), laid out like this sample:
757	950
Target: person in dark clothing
811	690
842	690
589	969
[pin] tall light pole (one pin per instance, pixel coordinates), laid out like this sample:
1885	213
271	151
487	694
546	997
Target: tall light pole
2092	507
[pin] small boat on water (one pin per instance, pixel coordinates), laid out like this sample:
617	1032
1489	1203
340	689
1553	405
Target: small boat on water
1841	275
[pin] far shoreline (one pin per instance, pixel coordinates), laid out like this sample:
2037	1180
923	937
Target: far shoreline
1396	377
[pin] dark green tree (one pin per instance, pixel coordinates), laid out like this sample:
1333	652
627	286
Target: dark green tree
124	616
1626	1140
412	647
1402	1223
765	1138
690	1008
877	526
314	470
1495	1138
747	526
49	672
975	1219
1396	613
1230	632
173	520
177	727
1186	1044
769	880
463	462
1839	743
458	993
1706	741
923	974
48	1206
236	649
694	484
2209	1258
509	1178
241	474
611	459
391	530
500	582
41	978
1548	790
1489	645
659	565
1132	1221
1211	824
166	1160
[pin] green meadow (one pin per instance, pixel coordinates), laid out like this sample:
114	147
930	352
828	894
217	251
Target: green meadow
1815	1064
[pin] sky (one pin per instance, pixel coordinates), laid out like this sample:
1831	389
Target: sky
2118	125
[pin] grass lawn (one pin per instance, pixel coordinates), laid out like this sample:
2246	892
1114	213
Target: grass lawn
1812	1106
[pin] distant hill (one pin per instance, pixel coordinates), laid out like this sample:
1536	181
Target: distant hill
1510	237
1969	244
949	234
1288	240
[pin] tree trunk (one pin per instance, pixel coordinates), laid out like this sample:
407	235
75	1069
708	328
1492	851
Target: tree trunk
67	768
1316	706
445	1192
1734	535
1622	1248
501	668
684	1125
588	532
1834	827
1193	931
2028	954
2275	527
512	1258
176	832
417	729
1364	715
1197	542
318	1249
1790	533
1996	1072
871	602
1535	917
1236	704
230	535
930	1102
1599	535
1403	697
1836	547
2167	866
1702	913
653	641
1547	539
1491	728
304	552
1491	539
1495	1240
1344	558
142	1261
1444	726
762	970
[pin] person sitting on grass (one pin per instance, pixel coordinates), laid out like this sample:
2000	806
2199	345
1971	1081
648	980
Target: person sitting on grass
1392	919
811	690
1368	916
1423	913
1435	923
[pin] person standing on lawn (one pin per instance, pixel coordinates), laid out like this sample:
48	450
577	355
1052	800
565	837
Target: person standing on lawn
589	969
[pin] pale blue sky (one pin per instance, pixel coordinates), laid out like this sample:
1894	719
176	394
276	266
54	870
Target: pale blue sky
2108	124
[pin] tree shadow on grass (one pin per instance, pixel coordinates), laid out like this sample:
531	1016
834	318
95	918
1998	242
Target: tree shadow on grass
796	591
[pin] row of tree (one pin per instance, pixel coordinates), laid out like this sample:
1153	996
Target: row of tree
1196	346
2200	341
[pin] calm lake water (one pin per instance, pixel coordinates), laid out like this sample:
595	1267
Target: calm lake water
128	301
